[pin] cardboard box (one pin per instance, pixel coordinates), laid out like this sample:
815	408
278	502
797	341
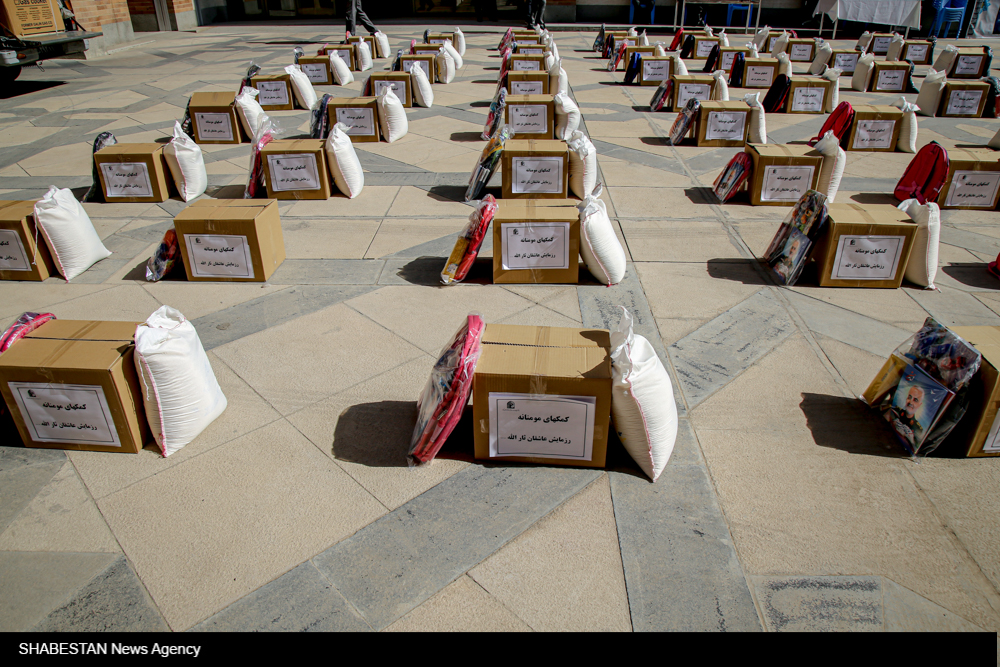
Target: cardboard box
728	53
230	240
535	169
973	180
703	46
296	169
889	77
801	50
722	123
759	72
440	37
275	92
345	52
425	61
213	116
880	43
969	64
369	39
965	99
527	83
976	433
72	384
527	63
845	60
399	82
531	116
655	70
807	94
917	51
688	86
30	17
317	68
527	372
426	49
782	173
360	114
530	49
864	246
875	128
520	204
619	38
17	244
134	173
646	51
536	244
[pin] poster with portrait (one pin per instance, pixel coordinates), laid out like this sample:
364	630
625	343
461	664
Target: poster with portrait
916	405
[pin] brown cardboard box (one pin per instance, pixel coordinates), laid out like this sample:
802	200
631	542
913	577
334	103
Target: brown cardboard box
134	173
360	114
526	36
527	63
30	17
72	384
782	173
398	81
520	204
880	43
646	52
846	60
973	180
522	158
688	86
345	52
296	169
889	77
213	116
969	63
877	235
972	433
801	50
760	72
426	49
655	70
249	228
527	372
425	60
703	46
17	244
728	53
441	38
875	128
536	244
807	94
963	99
275	92
528	83
917	51
369	39
531	49
722	123
619	38
531	116
317	68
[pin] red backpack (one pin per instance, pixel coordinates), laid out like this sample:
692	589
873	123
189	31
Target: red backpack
676	42
925	175
839	122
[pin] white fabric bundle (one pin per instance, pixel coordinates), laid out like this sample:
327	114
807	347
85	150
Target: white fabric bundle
600	248
995	141
423	91
929	98
823	53
780	44
659	51
392	116
187	164
179	389
632	32
752	48
582	165
341	72
832	74
305	94
758	128
677	66
567	116
345	168
554	50
720	89
643	39
459	41
382	44
723	38
550	60
249	109
864	42
642	400
907	142
558	81
445	66
453	52
834	161
364	56
784	64
863	72
895	48
922	265
68	232
708	30
760	39
946	59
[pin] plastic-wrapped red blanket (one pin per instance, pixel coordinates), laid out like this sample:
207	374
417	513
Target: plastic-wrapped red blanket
466	249
24	325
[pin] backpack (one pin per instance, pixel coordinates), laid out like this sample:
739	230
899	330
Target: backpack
925	175
839	122
609	44
733	177
736	71
676	41
617	57
633	67
992	97
713	57
599	40
688	48
777	94
910	88
661	95
683	121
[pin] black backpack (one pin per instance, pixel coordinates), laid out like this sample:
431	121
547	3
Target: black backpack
777	94
910	88
713	57
633	67
688	47
736	72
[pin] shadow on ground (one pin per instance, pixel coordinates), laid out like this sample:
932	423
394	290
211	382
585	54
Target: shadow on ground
973	274
25	87
746	271
847	424
427	271
467	136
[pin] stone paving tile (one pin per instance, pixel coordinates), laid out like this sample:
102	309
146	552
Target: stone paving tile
21	478
462	606
820	604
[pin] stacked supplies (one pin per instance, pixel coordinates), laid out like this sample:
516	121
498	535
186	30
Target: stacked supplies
790	247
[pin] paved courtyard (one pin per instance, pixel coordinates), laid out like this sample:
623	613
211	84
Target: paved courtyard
786	504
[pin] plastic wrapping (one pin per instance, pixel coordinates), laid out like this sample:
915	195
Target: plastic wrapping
446	393
790	247
267	131
96	193
682	124
469	241
22	326
488	163
164	257
599	40
505	41
319	126
618	55
252	70
297	53
732	177
494	119
661	95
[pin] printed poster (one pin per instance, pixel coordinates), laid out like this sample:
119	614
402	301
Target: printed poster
213	126
535	245
293	171
66	413
973	188
786	183
126	179
550	426
867	257
537	174
219	255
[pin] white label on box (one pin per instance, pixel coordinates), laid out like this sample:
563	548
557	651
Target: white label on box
76	413
808	99
526	66
343	54
771	41
727	125
727	60
398	88
846	62
213	126
655	70
294	171
891	79
705	48
219	256
549	426
687	91
529	118
126	179
317	72
537	175
867	257
424	65
529	51
873	134
963	103
439	40
786	183
12	254
360	121
272	93
800	52
992	443
535	245
968	65
881	44
916	52
973	188
526	87
758	76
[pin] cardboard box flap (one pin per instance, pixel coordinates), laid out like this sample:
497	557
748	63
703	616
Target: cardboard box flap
738	105
784	150
543	362
84	330
512	334
213	99
14	211
536	145
974	155
235	203
303	145
131	149
219	213
877	214
536	213
37	354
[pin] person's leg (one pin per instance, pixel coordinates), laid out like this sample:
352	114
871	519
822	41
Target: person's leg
349	15
531	13
363	18
540	13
